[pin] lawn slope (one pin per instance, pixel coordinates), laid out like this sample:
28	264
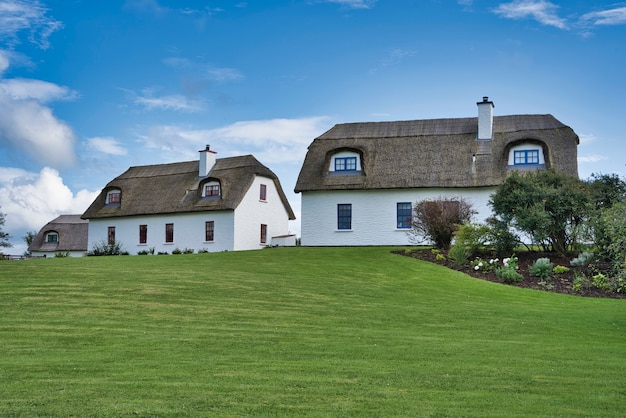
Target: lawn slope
298	331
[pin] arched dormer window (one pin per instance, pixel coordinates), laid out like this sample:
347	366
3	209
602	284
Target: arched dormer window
52	237
113	197
526	156
211	190
345	162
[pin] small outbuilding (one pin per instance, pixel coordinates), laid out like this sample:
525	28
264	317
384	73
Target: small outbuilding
66	234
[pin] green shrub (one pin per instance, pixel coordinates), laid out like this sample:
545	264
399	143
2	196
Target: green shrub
104	248
509	275
459	254
542	267
472	236
580	282
188	251
600	281
142	252
62	254
508	271
501	238
560	269
582	260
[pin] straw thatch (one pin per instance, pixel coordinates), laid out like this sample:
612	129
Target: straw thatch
176	188
72	232
435	153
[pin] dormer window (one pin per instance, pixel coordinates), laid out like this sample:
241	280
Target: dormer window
211	190
52	237
345	162
526	156
114	197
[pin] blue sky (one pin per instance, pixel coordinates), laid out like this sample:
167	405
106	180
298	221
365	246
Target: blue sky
90	88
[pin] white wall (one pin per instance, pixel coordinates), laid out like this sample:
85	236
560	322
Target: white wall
373	214
252	212
189	232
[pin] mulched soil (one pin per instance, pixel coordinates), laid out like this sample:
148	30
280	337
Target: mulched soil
560	283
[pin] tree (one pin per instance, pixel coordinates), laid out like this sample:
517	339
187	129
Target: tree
4	237
437	220
548	206
29	237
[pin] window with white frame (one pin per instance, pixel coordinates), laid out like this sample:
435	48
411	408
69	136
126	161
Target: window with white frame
52	237
211	190
113	197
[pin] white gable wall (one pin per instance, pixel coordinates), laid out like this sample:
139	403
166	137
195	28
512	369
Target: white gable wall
374	217
252	212
189	232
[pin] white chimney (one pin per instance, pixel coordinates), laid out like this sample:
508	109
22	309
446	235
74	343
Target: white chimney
207	161
485	119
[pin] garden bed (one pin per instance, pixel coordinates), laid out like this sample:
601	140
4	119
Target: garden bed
559	283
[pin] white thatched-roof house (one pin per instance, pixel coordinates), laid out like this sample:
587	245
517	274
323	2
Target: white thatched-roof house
360	180
212	204
66	234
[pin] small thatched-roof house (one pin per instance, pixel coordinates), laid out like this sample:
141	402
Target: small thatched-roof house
66	234
209	204
359	180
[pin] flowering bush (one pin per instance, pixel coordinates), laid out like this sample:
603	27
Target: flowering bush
508	272
485	266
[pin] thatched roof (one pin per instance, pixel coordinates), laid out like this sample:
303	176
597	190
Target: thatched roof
72	232
176	188
435	153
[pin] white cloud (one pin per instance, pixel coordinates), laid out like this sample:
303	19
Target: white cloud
29	126
30	200
32	128
594	158
354	4
542	11
587	138
174	102
44	92
106	145
26	15
616	16
271	141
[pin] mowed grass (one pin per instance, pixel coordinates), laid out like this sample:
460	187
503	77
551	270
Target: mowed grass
298	331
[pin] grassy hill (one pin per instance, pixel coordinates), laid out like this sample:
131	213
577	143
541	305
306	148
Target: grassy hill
298	331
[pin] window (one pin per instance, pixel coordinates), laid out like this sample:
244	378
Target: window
345	164
111	235
209	230
403	214
263	192
143	234
263	233
211	190
344	216
526	157
169	233
114	197
52	237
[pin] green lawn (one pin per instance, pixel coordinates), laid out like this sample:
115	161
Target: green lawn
298	331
